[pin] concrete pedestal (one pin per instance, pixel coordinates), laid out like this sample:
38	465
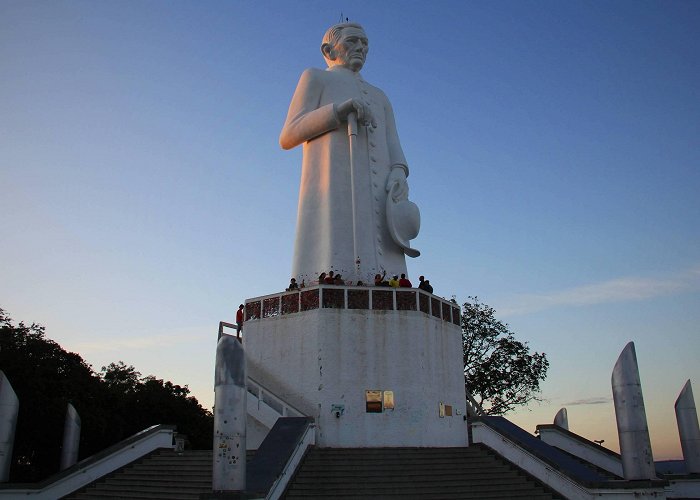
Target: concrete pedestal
322	361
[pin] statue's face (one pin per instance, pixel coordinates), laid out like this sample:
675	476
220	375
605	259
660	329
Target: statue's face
351	50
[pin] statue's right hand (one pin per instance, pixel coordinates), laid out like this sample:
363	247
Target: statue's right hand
364	113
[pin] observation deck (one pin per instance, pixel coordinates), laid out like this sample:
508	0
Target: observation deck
371	298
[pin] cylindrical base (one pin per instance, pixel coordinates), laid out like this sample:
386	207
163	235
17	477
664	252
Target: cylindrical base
369	378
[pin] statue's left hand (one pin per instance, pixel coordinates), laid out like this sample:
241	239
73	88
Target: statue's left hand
396	184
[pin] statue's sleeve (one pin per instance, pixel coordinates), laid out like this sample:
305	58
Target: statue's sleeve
392	139
305	119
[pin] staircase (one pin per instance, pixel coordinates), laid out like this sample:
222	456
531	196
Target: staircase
407	473
164	474
412	473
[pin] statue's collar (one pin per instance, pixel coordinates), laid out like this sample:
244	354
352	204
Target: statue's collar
345	71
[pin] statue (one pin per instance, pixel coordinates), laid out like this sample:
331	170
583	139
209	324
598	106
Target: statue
354	215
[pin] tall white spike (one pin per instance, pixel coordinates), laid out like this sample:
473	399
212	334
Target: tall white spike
688	429
71	438
632	429
562	419
9	406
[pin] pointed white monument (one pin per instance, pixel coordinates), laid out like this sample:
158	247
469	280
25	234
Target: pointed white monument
688	429
562	419
632	429
71	438
9	406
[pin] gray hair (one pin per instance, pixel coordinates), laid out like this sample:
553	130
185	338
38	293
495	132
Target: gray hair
333	33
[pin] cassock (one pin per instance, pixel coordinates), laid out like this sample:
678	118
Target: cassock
324	235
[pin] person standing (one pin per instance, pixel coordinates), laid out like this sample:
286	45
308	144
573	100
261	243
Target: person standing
239	321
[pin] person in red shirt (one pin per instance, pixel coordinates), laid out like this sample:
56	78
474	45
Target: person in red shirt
239	321
404	282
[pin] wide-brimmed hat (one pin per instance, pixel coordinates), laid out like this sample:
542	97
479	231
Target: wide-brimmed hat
403	219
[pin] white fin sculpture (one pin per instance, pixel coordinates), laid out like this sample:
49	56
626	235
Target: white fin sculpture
632	430
9	406
562	419
688	429
71	438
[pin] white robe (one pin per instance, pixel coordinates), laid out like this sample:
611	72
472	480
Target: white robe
324	237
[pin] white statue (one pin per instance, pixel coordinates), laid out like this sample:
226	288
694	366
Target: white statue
354	215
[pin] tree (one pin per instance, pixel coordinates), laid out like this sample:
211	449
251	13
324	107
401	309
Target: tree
145	401
112	406
500	372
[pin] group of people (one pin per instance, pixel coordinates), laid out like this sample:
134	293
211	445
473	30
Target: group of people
336	279
331	278
402	282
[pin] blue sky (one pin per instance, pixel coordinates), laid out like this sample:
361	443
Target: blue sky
553	146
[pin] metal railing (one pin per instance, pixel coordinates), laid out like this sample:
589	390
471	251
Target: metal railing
266	396
474	409
352	297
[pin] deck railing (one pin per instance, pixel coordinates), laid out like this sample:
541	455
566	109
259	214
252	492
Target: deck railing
351	297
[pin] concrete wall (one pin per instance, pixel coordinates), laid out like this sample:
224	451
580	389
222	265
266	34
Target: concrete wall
325	357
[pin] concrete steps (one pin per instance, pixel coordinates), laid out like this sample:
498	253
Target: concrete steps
411	473
164	474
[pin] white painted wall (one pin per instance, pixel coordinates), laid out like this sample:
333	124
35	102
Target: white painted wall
319	358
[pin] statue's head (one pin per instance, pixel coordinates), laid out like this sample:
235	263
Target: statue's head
345	45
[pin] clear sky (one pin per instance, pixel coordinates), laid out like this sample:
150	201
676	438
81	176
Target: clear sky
554	150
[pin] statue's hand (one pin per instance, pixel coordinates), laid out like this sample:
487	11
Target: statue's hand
396	184
364	112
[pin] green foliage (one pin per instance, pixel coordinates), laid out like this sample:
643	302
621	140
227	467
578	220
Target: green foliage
500	372
112	405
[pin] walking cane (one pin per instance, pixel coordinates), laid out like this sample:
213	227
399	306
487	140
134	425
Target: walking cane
352	135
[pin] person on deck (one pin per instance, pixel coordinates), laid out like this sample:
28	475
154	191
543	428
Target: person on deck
239	321
379	280
404	282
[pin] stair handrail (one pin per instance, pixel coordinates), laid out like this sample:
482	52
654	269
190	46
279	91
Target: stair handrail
474	409
95	467
223	324
279	404
263	391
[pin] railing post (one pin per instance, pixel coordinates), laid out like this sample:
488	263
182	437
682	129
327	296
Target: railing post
370	299
393	297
